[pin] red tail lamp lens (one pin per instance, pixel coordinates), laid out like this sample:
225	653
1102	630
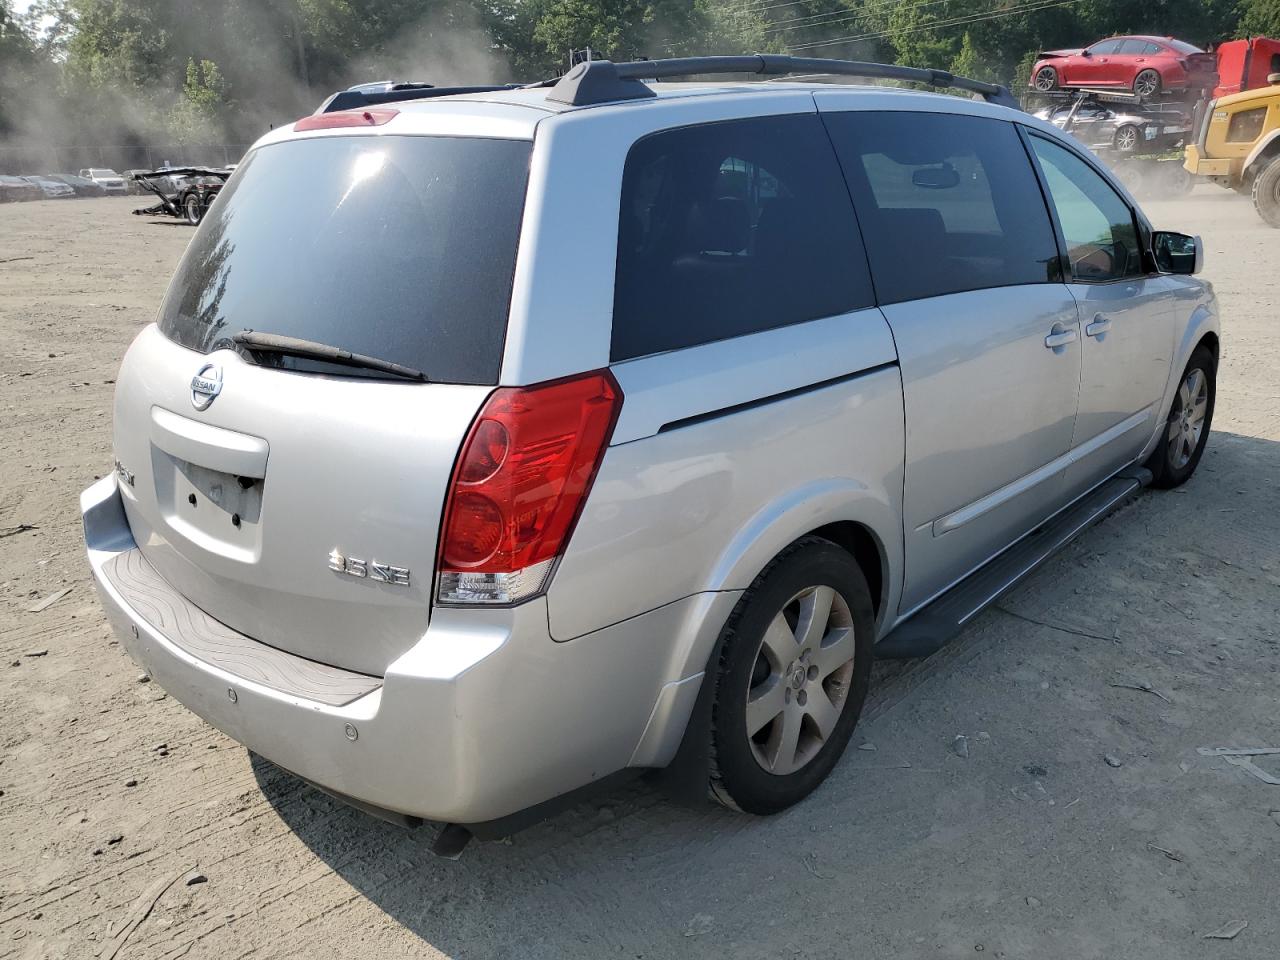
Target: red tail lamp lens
524	474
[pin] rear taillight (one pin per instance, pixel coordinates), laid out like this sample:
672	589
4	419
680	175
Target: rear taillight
517	490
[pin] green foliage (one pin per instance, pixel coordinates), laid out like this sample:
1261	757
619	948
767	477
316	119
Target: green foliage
115	71
1260	18
196	118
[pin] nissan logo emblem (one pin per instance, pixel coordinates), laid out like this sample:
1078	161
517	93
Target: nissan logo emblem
206	385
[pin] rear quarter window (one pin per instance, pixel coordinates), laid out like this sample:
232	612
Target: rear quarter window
731	228
947	203
396	247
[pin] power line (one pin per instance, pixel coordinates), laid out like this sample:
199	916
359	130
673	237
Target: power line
844	16
1031	7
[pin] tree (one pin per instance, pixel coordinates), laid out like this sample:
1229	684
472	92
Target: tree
1260	18
197	117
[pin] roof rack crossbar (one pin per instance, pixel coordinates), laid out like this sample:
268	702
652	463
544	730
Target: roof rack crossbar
602	81
355	99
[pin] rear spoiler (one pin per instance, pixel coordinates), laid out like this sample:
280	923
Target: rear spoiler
369	95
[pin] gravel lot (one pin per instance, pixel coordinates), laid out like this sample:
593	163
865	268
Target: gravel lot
1031	846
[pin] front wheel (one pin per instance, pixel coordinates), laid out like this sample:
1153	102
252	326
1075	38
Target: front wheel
1266	193
792	676
1147	83
1046	79
1187	429
1127	138
192	209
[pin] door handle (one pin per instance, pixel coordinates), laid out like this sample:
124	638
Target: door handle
1099	326
1055	340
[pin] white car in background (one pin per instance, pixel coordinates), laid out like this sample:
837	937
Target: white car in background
106	178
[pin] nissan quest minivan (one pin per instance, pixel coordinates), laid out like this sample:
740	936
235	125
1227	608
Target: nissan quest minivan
492	443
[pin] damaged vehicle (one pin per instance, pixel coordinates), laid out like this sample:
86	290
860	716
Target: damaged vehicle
183	192
1124	128
490	447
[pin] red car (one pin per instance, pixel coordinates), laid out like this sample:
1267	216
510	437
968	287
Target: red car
1145	65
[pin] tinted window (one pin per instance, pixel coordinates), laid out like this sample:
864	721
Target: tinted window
1246	125
732	228
1181	47
1106	46
1149	48
946	202
400	248
1102	242
1132	46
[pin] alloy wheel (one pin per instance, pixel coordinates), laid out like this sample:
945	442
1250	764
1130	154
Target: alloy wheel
1046	79
800	680
1126	139
1146	83
1186	419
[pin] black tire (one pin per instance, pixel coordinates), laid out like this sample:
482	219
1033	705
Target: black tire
1266	193
192	208
1167	468
1147	83
739	778
1177	181
1127	139
1046	79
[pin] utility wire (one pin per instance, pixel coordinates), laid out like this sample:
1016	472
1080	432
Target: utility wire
1031	7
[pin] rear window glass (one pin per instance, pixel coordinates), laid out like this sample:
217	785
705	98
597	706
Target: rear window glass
732	228
947	202
1183	47
400	248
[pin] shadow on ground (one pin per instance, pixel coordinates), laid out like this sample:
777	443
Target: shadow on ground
1027	844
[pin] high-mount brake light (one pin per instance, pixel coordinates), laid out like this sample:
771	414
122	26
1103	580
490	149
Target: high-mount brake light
524	474
370	117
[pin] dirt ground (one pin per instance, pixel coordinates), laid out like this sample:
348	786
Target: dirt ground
1031	846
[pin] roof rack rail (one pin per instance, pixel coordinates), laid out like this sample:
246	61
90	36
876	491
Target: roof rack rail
372	94
602	81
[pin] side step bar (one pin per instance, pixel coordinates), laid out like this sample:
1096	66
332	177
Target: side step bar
937	624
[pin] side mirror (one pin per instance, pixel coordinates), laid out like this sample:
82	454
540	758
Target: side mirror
942	177
1086	53
1177	252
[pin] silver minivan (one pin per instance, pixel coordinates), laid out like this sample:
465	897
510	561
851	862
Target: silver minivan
491	444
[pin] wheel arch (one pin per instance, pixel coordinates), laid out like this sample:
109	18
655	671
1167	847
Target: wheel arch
1202	328
1267	149
863	521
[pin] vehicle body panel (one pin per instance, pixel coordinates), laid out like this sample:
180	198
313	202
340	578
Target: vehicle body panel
342	477
1246	64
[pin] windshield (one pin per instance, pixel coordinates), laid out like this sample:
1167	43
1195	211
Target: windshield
399	248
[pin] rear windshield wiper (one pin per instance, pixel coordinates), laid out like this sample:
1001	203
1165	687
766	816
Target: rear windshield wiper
293	347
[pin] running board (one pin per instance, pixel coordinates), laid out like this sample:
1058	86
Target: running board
941	621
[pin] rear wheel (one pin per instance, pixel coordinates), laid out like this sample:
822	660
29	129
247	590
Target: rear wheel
1266	193
1127	138
1187	429
792	677
1147	83
192	209
1046	79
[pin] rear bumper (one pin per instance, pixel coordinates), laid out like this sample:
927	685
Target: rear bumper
484	717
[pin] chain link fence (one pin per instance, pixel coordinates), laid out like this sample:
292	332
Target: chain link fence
28	159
